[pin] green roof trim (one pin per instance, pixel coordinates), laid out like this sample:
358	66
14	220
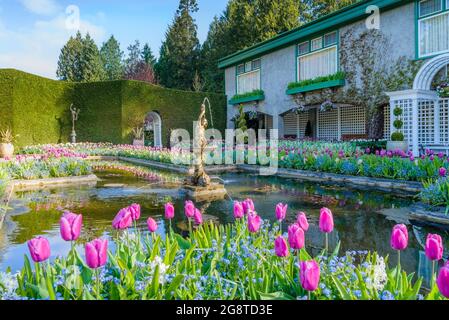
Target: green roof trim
329	22
317	86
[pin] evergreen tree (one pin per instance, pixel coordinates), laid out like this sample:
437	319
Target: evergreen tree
319	8
112	59
69	64
91	66
136	67
147	55
179	54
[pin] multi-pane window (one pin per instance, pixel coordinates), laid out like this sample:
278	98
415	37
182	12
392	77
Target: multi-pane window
318	57
248	76
433	26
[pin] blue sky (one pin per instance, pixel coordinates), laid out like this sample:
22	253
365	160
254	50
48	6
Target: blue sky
32	32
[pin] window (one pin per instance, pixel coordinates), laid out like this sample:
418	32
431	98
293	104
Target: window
303	48
434	35
318	64
317	44
331	38
248	76
427	7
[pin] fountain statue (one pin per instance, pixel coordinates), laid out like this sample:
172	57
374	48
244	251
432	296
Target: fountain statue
75	114
198	184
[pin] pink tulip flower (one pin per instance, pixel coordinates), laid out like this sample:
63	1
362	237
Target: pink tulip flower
326	221
169	211
309	275
281	211
254	222
442	172
198	217
399	237
39	249
135	211
152	225
189	209
70	226
248	206
303	222
238	210
280	247
443	281
296	237
434	247
96	253
123	220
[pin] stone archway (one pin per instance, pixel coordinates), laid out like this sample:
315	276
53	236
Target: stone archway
153	129
425	76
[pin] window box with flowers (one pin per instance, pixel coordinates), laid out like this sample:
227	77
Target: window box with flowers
334	80
256	95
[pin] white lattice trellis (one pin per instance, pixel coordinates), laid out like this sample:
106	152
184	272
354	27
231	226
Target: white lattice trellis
426	122
387	131
328	125
353	120
444	121
406	105
295	124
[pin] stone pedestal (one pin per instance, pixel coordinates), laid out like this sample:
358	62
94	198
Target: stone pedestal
213	192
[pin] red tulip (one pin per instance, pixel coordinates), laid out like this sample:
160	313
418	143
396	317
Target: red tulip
303	222
434	247
198	217
189	209
254	222
39	249
152	225
70	226
326	221
309	275
96	253
280	247
296	237
281	211
399	237
123	220
135	211
238	210
169	211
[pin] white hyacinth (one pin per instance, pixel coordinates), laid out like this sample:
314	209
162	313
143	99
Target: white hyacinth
378	275
162	268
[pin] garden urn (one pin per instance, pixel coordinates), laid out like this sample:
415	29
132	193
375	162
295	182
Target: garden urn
6	150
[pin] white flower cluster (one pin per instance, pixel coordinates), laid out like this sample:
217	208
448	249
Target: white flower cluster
378	274
8	286
163	268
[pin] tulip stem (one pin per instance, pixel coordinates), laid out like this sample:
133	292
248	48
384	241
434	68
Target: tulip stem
326	245
171	230
433	274
310	295
97	274
398	275
190	228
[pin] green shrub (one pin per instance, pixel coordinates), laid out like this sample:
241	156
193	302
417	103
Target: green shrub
398	124
248	94
397	136
337	76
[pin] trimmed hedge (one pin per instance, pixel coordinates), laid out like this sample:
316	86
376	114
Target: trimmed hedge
37	109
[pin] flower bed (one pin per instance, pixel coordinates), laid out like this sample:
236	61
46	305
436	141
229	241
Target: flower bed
247	260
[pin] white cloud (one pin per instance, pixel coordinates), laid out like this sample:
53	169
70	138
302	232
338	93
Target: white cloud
42	7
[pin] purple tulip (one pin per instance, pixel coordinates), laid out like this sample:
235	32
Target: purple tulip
198	217
70	226
280	247
189	209
97	253
254	222
442	172
169	211
238	210
152	225
326	220
123	220
281	211
443	281
248	206
309	275
135	211
399	237
302	221
434	247
296	237
39	249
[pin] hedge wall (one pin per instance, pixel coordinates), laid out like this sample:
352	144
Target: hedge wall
37	109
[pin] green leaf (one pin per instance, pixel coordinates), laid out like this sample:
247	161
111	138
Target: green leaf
155	282
341	289
174	286
275	296
183	243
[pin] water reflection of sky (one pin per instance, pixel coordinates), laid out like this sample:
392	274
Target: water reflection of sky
360	219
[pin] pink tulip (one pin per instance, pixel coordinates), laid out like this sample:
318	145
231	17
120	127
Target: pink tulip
254	222
296	237
198	217
39	249
281	211
70	226
309	275
442	172
169	211
238	210
399	237
123	220
434	247
189	209
248	206
152	225
443	281
135	211
280	247
303	222
96	253
326	221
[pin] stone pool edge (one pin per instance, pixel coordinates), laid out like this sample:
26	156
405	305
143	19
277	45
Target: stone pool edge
23	185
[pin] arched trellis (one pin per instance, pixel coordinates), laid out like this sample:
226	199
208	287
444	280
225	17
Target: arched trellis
428	71
153	122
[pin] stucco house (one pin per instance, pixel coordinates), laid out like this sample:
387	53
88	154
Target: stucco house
342	76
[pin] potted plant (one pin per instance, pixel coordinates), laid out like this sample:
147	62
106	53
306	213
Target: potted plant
397	138
6	146
138	139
